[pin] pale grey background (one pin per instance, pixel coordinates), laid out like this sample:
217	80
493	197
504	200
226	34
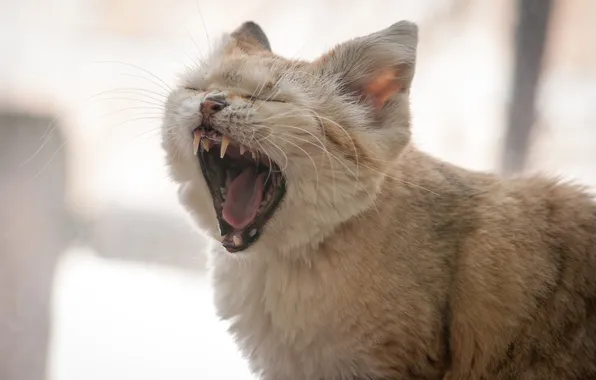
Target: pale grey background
101	275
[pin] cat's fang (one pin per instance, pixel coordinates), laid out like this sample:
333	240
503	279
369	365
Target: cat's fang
225	141
242	150
237	240
207	144
254	155
196	141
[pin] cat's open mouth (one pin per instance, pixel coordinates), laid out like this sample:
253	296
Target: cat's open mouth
246	186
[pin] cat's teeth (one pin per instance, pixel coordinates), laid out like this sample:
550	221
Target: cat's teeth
237	240
196	141
242	149
207	144
254	155
252	232
225	141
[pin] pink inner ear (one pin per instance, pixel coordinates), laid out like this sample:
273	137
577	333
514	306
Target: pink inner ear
382	87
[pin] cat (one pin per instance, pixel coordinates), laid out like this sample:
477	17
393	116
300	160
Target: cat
343	252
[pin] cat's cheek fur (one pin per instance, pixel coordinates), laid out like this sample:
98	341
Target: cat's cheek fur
304	219
196	199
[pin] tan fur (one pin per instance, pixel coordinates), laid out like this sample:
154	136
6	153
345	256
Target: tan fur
382	262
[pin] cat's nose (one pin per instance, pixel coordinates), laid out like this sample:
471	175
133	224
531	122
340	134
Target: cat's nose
213	102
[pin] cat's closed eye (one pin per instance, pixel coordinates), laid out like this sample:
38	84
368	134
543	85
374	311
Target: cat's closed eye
253	99
250	97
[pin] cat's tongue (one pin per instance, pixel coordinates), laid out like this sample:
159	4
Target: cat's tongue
243	198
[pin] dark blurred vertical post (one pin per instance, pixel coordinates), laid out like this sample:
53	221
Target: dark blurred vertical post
33	231
530	41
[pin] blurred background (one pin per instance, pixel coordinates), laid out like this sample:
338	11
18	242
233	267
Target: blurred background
101	274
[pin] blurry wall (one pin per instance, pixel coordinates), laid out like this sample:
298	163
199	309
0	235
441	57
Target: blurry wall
34	230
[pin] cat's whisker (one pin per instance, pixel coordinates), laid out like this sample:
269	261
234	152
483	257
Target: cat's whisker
158	113
317	115
194	42
46	137
158	84
204	26
167	87
130	120
342	163
51	128
282	169
60	147
149	104
375	170
322	146
133	90
149	132
139	98
305	152
345	132
149	109
281	115
402	181
301	130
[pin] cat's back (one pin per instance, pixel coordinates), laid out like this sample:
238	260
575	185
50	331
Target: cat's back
522	303
557	336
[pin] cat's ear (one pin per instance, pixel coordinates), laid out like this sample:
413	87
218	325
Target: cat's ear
250	37
376	67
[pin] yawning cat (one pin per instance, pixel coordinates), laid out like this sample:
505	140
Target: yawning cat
345	253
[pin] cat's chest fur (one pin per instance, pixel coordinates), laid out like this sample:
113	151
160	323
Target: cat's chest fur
279	319
337	318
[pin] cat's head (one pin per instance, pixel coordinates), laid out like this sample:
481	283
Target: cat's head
271	153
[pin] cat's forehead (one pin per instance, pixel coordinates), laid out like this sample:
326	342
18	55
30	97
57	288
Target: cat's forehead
235	69
247	70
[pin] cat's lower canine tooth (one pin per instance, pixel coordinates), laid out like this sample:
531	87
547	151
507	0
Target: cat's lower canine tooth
207	144
195	142
225	141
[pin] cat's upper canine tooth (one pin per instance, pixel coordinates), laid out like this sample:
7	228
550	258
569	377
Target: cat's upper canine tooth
242	149
207	144
254	155
225	141
196	140
237	240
